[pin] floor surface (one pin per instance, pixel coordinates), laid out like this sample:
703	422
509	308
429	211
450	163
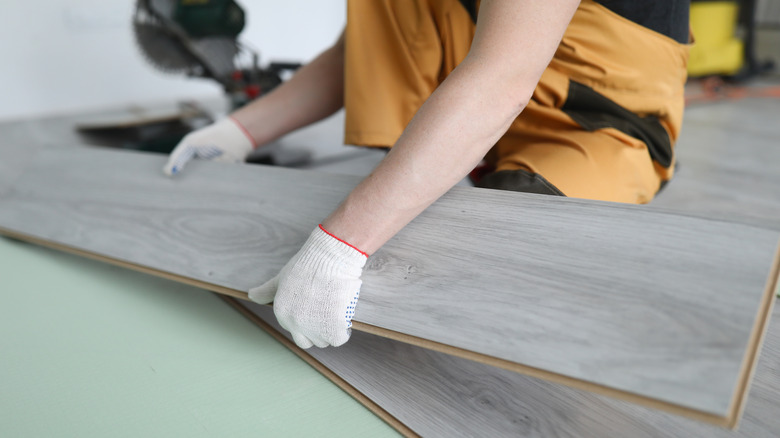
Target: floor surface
92	350
177	362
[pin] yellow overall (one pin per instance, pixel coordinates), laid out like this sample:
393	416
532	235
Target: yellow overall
602	121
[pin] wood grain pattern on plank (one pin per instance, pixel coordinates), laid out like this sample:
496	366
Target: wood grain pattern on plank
435	394
631	302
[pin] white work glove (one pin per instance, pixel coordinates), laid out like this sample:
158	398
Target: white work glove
224	141
315	294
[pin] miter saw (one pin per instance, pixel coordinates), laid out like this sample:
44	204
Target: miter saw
200	39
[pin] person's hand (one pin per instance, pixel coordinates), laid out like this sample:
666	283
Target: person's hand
315	294
225	141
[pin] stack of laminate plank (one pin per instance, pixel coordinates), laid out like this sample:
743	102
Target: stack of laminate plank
653	307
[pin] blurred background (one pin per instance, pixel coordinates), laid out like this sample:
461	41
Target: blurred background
60	56
84	67
66	55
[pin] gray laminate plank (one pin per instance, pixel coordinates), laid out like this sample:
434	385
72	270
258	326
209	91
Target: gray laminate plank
639	301
438	395
14	159
726	173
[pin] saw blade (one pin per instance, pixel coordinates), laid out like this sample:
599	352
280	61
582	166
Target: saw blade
163	50
166	46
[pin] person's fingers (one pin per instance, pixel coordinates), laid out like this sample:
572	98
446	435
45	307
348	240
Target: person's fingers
264	294
341	338
209	152
302	341
178	159
319	343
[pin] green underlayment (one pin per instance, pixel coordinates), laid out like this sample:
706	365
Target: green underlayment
92	350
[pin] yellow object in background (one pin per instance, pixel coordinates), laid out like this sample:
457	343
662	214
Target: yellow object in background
716	50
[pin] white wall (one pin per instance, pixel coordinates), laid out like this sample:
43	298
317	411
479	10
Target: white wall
58	56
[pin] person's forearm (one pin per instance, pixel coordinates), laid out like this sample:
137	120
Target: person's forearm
459	123
440	146
316	91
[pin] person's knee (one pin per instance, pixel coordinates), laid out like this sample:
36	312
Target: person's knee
519	181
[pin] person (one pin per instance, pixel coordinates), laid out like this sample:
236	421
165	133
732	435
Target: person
567	98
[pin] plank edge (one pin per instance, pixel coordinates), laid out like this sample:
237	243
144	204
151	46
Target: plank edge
322	369
755	342
572	382
121	263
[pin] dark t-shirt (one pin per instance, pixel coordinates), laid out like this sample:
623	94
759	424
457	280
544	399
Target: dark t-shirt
667	17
